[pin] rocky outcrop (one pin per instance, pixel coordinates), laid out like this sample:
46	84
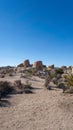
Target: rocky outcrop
38	65
26	63
20	65
51	67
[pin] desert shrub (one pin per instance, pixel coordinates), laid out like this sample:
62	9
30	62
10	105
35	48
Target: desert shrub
23	88
68	85
61	85
55	80
2	75
5	88
46	81
28	85
58	76
65	76
30	72
11	74
70	80
23	76
59	71
52	75
18	84
27	88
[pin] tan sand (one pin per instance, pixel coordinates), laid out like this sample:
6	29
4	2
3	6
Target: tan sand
42	110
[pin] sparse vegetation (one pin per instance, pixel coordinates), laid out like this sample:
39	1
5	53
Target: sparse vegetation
27	84
5	88
46	81
52	75
70	80
18	84
8	88
30	72
25	88
69	88
59	71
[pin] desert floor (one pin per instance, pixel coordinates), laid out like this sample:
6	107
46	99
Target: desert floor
42	110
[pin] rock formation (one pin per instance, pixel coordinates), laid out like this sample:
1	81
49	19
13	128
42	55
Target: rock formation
38	65
26	63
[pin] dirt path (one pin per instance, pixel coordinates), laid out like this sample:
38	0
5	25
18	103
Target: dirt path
42	110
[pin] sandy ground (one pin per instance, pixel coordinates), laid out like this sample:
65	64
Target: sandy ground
42	110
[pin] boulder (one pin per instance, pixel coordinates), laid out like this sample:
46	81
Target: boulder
51	67
20	65
38	65
64	67
26	63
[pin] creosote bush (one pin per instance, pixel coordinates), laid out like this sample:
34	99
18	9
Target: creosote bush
5	88
59	71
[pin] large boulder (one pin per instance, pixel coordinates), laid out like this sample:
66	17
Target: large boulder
38	65
26	63
20	65
51	67
64	67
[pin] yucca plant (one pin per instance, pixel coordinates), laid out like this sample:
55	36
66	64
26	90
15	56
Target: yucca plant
70	81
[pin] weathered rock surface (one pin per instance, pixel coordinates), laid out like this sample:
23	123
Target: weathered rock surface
38	65
26	63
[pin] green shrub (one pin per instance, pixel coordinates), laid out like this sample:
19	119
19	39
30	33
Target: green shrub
30	72
52	75
59	71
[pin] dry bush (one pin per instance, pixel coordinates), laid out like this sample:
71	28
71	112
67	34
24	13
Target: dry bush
18	84
23	76
24	88
69	84
46	82
28	85
62	86
5	88
52	75
59	71
70	80
30	72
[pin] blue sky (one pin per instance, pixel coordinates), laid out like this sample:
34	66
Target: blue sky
36	30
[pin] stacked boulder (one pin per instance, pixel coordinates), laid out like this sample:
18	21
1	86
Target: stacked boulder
38	65
26	63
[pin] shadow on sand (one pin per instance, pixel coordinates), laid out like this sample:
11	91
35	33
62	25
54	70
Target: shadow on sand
4	103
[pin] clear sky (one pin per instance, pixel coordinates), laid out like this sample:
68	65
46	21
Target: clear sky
36	30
